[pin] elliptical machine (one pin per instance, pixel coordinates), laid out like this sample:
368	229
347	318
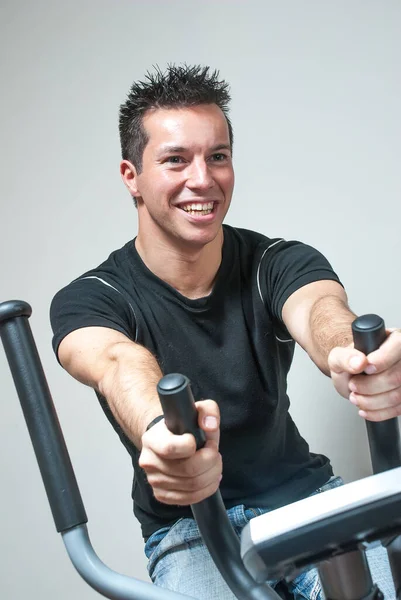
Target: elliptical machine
330	530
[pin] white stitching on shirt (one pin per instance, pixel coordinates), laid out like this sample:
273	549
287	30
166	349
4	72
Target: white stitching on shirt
279	340
258	281
118	291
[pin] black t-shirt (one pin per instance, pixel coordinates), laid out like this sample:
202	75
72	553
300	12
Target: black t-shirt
234	348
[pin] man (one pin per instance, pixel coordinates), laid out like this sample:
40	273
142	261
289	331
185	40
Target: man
225	307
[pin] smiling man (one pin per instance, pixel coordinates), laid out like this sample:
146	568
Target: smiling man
183	185
225	306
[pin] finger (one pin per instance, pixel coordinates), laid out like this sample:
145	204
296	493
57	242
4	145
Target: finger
166	444
185	484
180	498
377	384
378	401
381	415
341	383
201	462
209	419
347	360
389	353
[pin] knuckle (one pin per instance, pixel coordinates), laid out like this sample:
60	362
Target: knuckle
190	444
167	449
144	460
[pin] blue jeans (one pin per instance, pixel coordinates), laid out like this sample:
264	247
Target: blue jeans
179	561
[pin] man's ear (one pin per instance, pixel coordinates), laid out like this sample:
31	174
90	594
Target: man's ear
129	176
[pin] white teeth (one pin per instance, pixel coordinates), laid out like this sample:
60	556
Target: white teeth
205	208
198	212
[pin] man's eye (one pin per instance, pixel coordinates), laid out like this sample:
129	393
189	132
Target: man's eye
218	157
175	159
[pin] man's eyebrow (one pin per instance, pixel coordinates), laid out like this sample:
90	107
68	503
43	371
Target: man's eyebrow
171	149
221	147
167	149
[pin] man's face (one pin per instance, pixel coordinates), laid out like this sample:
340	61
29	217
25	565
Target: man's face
187	178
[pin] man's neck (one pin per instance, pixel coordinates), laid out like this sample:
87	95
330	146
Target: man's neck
191	271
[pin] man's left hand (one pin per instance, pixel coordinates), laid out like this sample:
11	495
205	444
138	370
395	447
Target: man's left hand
377	394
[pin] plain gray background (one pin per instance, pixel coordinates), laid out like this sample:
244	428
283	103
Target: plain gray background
316	92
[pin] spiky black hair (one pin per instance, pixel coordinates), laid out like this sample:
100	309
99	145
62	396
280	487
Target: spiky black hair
179	86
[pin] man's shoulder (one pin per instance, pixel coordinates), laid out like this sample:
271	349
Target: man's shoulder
97	298
114	267
114	272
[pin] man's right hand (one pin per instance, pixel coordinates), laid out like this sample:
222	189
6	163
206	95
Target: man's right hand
177	472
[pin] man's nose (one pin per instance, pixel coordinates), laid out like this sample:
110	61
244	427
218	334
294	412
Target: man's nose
199	176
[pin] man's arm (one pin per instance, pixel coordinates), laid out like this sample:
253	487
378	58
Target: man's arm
126	374
319	319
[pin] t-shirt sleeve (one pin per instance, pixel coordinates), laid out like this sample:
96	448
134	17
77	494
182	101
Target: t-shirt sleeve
90	302
288	266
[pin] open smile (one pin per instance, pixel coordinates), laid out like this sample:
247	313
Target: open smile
198	208
199	211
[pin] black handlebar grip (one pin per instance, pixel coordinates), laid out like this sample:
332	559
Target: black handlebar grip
14	308
179	408
181	416
40	416
369	333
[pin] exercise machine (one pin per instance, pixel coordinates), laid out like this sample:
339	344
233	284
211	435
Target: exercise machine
330	530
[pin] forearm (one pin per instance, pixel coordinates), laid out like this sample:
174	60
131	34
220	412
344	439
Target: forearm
330	327
129	383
